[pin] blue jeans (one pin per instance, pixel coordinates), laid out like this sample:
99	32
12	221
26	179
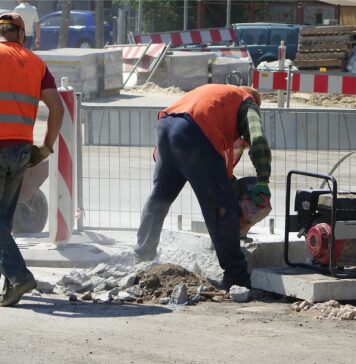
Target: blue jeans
185	154
29	42
13	161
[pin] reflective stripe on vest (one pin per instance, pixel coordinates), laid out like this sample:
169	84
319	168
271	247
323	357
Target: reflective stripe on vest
13	96
9	118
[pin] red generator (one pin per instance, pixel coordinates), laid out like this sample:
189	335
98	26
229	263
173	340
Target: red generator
327	220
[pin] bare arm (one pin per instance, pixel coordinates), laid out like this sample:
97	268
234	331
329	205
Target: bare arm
56	110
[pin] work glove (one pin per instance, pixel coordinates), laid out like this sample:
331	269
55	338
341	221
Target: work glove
39	154
260	193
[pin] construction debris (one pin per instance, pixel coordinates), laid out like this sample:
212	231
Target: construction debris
154	283
326	310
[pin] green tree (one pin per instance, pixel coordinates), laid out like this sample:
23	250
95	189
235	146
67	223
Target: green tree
161	15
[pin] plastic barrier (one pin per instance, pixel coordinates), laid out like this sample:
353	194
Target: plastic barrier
132	53
62	171
319	82
199	36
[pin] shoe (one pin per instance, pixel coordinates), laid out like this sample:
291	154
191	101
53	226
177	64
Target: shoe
242	280
140	259
13	293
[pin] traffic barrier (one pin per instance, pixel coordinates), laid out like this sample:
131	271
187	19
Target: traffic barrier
131	53
199	36
62	171
318	82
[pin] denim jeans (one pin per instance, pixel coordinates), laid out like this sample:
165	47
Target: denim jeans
13	161
29	42
185	154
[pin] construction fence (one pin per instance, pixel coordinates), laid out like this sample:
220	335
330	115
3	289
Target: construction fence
116	165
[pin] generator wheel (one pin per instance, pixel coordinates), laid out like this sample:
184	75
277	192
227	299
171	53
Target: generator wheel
31	216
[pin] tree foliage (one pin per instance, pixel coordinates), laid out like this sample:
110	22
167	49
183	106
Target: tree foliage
158	15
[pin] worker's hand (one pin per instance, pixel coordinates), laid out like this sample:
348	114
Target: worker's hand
260	193
37	43
39	154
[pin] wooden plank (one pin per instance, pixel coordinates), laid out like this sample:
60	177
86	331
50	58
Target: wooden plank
317	63
331	47
318	55
325	38
314	30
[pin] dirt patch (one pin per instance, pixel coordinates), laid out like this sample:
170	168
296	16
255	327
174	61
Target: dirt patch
316	99
152	88
158	281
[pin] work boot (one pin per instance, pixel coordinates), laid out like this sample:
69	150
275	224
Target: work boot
143	258
13	293
242	280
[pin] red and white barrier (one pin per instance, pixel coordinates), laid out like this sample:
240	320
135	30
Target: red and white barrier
200	36
62	172
319	82
132	53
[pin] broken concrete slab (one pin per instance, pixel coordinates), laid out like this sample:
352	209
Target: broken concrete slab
303	284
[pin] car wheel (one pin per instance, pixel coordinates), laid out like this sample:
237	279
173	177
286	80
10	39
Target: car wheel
84	43
31	216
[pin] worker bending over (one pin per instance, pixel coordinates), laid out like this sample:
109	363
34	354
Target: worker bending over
200	138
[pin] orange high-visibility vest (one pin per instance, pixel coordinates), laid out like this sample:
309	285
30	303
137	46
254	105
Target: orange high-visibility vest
214	108
21	74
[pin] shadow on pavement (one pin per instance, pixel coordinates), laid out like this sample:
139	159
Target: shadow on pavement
81	309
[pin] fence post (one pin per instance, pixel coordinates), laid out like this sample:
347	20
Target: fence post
281	59
289	85
80	208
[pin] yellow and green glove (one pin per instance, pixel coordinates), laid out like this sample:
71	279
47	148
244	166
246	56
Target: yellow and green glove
260	193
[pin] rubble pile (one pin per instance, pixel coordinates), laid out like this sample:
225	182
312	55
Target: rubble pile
326	310
145	283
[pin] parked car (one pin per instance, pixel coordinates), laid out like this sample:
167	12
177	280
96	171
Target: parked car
263	39
81	32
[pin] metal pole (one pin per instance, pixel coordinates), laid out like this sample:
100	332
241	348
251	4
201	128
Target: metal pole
228	13
158	62
185	15
80	208
137	63
281	58
139	17
289	84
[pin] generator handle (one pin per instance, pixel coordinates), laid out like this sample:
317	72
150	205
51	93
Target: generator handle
325	177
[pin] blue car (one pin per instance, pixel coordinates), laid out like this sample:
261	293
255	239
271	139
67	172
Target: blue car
81	32
263	39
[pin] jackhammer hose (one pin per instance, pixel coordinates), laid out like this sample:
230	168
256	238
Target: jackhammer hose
337	165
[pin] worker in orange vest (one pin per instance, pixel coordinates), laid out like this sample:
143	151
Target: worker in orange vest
24	81
200	139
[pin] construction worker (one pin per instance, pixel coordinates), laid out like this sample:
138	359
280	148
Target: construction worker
24	80
29	15
200	138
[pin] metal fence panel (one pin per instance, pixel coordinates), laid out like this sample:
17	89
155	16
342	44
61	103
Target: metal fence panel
118	165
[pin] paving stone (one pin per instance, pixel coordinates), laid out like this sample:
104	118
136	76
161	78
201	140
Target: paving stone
303	284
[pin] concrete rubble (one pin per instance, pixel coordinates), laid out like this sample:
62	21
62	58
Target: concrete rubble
326	310
147	282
